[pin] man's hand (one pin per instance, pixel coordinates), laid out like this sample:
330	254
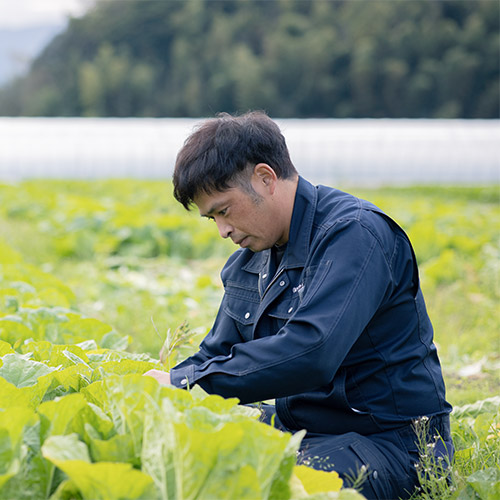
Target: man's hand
162	377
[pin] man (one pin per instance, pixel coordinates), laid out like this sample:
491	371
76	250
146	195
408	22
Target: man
322	309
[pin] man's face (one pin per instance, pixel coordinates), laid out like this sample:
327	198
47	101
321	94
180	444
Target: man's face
251	221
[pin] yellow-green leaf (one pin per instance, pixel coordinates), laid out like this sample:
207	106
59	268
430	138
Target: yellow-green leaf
317	481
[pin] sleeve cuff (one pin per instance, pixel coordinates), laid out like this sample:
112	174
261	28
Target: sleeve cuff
183	377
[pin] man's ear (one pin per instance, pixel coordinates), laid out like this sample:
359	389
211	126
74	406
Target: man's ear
265	177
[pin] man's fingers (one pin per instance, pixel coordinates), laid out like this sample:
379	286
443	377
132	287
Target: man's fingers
162	377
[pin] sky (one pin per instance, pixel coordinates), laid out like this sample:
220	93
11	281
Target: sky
27	26
15	14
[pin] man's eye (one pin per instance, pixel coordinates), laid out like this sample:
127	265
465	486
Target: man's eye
223	211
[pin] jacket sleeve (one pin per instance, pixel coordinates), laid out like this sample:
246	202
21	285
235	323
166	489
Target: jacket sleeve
352	277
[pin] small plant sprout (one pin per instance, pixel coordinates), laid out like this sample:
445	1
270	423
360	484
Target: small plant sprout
355	480
171	342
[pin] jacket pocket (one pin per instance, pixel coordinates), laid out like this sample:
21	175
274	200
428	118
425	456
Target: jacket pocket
241	305
283	311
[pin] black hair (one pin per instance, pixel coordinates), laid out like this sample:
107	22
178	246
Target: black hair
222	152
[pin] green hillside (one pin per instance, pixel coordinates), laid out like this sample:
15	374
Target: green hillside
293	58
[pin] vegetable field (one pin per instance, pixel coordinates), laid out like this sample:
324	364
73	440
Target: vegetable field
98	277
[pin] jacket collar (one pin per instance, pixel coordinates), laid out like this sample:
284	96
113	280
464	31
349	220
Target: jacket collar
299	239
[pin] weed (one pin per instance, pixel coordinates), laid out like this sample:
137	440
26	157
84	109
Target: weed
434	470
356	480
172	342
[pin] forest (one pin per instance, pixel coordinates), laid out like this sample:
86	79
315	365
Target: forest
292	58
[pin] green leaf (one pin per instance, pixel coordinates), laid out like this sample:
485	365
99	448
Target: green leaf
60	413
344	494
109	481
10	395
317	481
157	450
97	481
80	329
102	355
33	481
467	493
483	425
282	479
209	461
197	453
74	377
88	345
122	367
13	422
42	323
5	348
486	483
119	448
21	371
5	477
230	483
216	403
67	490
202	458
489	405
59	449
113	340
127	400
12	330
96	394
125	394
92	422
56	355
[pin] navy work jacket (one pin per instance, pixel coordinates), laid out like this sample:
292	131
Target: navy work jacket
338	334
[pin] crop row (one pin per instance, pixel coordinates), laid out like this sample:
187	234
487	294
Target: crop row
79	420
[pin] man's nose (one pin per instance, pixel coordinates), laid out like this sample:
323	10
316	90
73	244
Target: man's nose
225	229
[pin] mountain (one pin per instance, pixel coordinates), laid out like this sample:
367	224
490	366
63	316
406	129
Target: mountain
292	58
20	46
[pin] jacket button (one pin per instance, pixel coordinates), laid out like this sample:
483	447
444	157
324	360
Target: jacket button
290	310
282	283
184	381
375	474
264	276
247	315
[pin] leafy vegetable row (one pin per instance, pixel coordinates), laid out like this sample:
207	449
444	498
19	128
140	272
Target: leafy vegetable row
79	420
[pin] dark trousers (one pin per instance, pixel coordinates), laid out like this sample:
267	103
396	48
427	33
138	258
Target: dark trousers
386	460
